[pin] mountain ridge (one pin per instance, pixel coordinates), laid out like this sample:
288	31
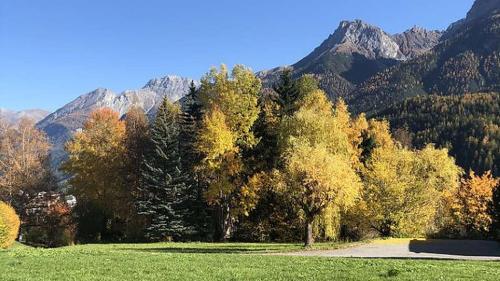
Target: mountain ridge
13	117
355	51
466	60
65	121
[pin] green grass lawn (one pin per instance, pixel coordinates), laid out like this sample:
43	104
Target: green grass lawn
228	261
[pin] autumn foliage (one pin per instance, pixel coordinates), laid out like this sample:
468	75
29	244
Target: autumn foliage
9	225
96	161
282	164
472	203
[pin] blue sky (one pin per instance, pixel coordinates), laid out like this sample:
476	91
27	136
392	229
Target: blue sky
52	51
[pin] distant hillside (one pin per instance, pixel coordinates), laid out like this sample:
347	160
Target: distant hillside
13	117
467	124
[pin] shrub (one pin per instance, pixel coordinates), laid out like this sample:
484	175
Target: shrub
50	226
9	225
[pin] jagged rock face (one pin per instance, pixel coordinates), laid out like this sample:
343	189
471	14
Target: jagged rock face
355	37
147	98
62	124
365	39
416	41
371	42
84	104
355	52
13	117
171	86
482	8
467	60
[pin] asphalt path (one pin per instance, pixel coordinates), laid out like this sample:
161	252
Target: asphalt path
415	249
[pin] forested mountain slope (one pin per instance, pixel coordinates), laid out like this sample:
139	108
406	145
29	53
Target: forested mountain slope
467	124
468	60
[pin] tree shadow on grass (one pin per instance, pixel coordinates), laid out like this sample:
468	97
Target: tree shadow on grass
200	250
456	247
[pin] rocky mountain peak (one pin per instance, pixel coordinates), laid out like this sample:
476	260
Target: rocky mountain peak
61	124
172	86
417	40
482	8
368	40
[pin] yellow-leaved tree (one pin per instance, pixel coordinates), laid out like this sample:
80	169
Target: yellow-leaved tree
318	160
229	105
404	189
9	225
472	202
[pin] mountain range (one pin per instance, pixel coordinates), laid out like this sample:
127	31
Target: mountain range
375	72
13	117
355	52
466	60
61	124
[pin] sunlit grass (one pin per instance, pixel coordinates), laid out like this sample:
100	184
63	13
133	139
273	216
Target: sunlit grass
221	261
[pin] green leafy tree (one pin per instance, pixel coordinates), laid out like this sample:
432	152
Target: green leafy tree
287	93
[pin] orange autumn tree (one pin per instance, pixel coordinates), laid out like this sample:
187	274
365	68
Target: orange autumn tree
96	161
24	151
472	203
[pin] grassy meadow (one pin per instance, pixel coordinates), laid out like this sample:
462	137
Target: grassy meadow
228	261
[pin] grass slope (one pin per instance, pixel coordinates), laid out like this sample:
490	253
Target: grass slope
229	261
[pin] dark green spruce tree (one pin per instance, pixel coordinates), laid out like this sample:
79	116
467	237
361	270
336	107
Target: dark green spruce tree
200	220
287	93
164	188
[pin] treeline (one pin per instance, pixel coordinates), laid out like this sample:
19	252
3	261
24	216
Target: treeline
468	125
234	161
237	162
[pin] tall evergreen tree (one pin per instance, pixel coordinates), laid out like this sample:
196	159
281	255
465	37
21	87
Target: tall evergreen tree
191	115
274	106
163	185
287	92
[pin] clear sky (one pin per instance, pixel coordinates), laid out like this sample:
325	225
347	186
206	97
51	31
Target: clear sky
52	51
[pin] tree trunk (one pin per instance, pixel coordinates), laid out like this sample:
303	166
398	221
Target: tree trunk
219	223
308	237
224	223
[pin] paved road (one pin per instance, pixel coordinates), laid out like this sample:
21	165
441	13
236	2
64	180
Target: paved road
416	248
